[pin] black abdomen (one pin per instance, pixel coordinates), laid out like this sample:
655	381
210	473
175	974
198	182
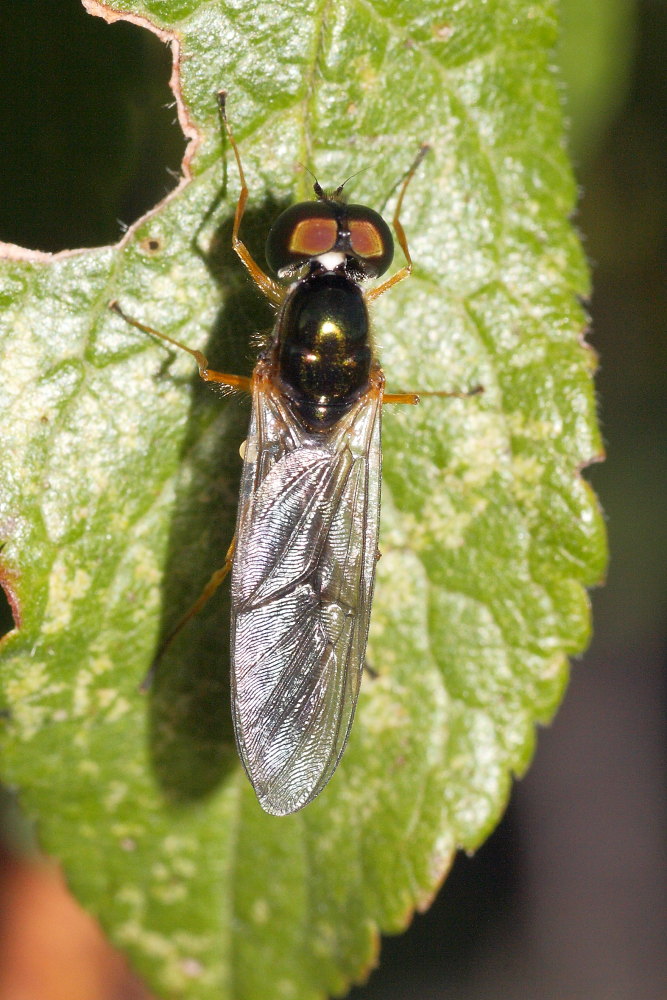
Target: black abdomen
323	349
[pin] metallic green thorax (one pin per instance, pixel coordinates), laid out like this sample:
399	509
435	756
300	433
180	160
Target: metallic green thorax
323	347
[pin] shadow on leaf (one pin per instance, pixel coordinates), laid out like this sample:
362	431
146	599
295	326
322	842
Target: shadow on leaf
191	734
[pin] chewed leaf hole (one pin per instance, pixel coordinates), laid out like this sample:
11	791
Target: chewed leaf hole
100	141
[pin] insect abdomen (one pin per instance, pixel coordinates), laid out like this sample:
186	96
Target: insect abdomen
324	350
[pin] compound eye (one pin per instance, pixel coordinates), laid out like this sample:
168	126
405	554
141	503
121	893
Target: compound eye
365	238
311	237
303	231
370	239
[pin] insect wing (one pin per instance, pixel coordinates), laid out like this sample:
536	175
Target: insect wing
302	586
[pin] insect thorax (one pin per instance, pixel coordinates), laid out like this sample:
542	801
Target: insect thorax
323	347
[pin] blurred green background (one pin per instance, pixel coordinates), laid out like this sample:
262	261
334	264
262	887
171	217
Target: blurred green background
568	899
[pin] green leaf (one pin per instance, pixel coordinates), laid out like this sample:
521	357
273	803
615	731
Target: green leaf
120	469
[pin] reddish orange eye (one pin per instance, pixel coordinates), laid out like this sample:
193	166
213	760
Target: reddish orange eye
365	238
313	236
370	240
301	232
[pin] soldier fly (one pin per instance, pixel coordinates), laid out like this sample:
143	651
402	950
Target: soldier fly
303	557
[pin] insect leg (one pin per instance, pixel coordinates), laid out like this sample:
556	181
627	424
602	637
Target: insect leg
235	381
400	232
456	393
209	590
412	398
273	291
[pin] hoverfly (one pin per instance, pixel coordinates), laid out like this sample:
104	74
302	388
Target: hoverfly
306	544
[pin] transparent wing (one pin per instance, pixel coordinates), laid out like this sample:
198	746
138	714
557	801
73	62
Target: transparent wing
302	586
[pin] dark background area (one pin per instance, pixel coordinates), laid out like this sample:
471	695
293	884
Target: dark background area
568	898
88	133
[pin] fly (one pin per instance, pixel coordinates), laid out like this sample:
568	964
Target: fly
303	557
